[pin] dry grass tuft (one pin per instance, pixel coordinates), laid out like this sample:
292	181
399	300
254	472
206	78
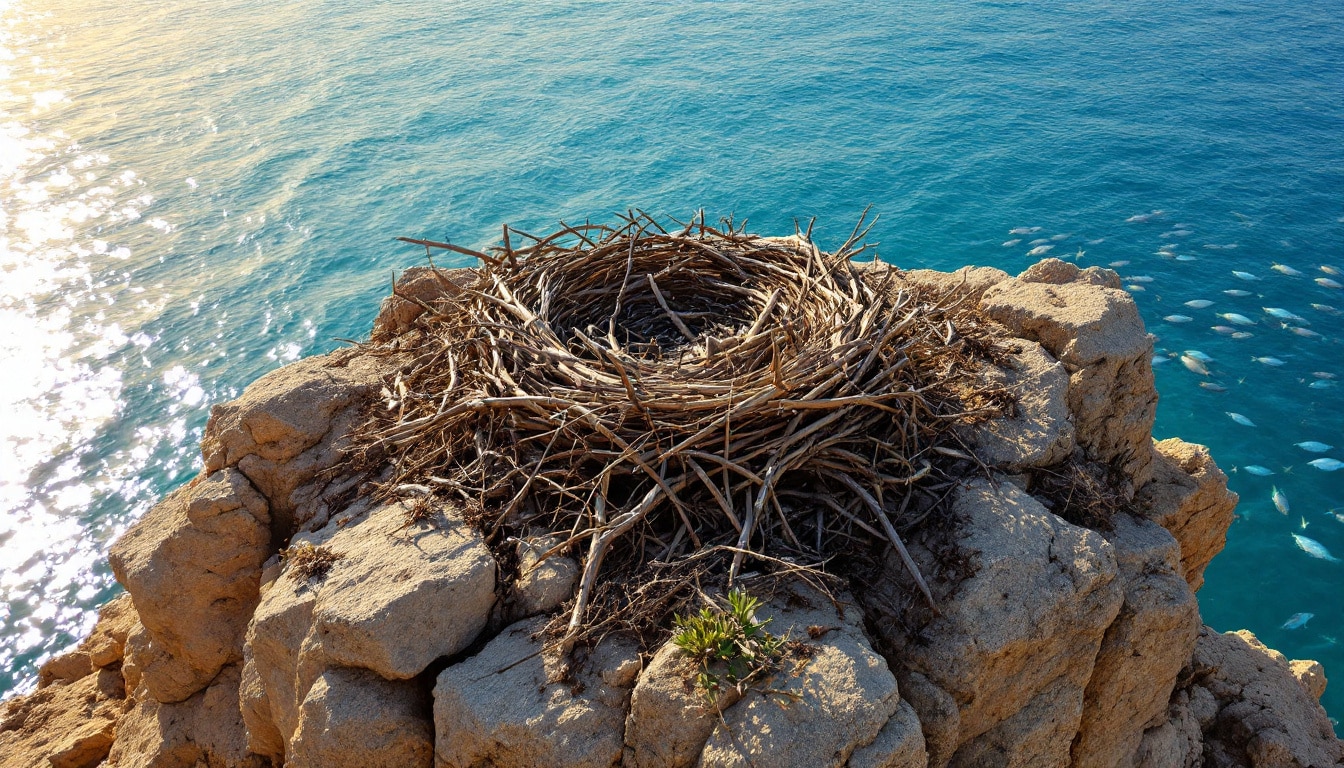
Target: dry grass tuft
304	561
674	404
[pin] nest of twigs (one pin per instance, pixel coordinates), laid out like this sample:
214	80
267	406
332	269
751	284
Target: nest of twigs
655	397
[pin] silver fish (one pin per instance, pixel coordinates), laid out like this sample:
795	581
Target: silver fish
1184	257
1226	330
1314	548
1135	288
1305	333
1297	621
1011	243
1140	279
1286	270
1143	217
1328	283
1178	318
1024	230
1242	420
1236	319
1242	335
1058	238
1273	362
1283	314
1039	241
1329	270
1237	293
1244	275
1209	385
1321	384
1175	233
1200	356
1323	374
1195	366
1040	250
1258	471
1314	446
1326	464
1119	264
1326	308
1280	501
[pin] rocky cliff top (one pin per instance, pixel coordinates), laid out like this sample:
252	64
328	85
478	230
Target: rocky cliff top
289	606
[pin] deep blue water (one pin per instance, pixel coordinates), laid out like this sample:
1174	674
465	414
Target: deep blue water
193	193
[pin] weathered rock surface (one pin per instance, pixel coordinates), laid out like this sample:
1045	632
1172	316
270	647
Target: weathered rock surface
1144	648
1188	496
1014	647
63	725
1093	328
354	717
1040	433
400	596
542	585
511	705
192	566
417	287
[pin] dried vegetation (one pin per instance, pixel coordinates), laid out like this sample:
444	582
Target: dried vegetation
686	405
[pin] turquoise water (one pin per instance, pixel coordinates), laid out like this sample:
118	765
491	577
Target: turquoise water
192	194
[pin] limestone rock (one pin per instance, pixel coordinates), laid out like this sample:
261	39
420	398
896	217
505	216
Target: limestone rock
507	707
669	720
290	425
416	286
1188	496
899	744
206	729
542	587
1040	433
1057	272
1310	675
1015	643
1144	649
1096	332
354	717
401	596
841	696
62	725
192	566
102	648
1264	719
967	281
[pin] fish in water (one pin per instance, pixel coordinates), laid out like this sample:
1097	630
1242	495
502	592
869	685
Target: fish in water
1194	365
1284	314
1323	374
1226	330
1058	238
1321	384
1024	230
1159	359
1326	464
1011	243
1199	304
1305	333
1236	319
1135	288
1178	318
1215	247
1286	270
1119	264
1244	275
1039	241
1328	283
1209	385
1258	471
1280	501
1140	279
1242	335
1175	233
1297	620
1314	446
1040	250
1329	270
1242	420
1237	293
1200	356
1184	257
1140	218
1314	548
1273	362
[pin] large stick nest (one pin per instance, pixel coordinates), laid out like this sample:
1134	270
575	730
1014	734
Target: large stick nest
655	397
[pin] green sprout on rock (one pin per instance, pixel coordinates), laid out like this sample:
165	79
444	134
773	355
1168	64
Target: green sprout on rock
731	647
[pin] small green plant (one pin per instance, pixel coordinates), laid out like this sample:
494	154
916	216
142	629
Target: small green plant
304	561
731	647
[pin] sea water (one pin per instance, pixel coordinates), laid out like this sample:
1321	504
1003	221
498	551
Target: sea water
192	194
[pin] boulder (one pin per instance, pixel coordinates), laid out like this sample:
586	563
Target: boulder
1264	718
670	720
514	706
1179	741
1094	329
1188	496
834	696
354	717
1039	433
192	565
206	729
1144	648
1310	675
63	724
400	596
542	586
1014	644
417	287
289	426
899	744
